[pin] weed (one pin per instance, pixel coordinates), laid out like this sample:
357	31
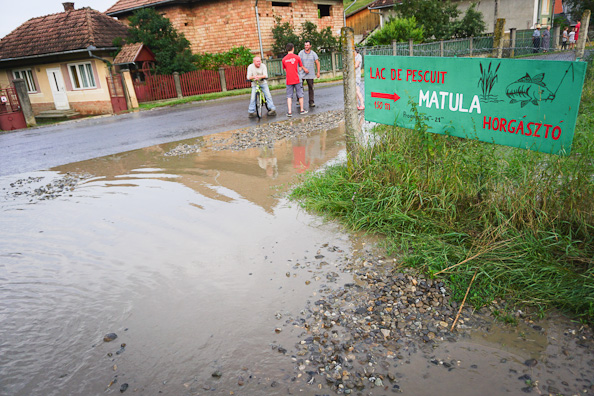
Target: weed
523	220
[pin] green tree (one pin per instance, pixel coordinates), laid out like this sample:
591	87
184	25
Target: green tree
399	29
171	49
283	33
320	41
577	7
436	16
472	24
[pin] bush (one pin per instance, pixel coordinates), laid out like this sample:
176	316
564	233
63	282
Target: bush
284	33
237	56
399	29
472	24
171	49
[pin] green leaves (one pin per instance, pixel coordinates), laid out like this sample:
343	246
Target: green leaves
284	33
440	19
236	56
399	29
171	49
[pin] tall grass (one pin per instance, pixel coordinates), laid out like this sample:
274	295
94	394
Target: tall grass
523	220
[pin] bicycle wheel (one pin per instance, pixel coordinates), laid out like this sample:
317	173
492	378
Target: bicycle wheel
258	105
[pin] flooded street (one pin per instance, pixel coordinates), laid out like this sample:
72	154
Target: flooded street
210	278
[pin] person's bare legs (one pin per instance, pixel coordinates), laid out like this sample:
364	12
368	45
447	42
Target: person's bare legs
360	97
289	103
300	103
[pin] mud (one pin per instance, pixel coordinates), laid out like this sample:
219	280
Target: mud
216	284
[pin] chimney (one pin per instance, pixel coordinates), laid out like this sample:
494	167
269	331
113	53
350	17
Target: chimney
68	6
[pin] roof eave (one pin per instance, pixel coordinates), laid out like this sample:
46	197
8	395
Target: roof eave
129	10
56	54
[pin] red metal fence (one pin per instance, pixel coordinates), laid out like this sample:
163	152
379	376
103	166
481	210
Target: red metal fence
200	82
155	88
192	83
235	77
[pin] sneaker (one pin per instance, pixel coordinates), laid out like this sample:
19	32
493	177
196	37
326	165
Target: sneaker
272	113
289	115
303	112
251	115
312	105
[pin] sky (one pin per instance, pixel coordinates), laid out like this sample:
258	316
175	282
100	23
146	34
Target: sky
15	13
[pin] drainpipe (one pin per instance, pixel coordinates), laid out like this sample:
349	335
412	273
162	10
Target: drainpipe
344	13
380	15
259	34
108	63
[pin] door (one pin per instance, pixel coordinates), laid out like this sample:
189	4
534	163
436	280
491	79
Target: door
58	89
116	92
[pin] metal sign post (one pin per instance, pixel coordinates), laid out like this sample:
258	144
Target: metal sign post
529	104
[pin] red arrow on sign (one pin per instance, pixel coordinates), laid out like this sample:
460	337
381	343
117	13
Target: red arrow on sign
393	96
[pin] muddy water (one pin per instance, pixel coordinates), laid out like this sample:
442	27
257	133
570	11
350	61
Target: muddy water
194	260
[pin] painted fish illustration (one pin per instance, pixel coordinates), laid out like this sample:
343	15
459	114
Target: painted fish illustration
529	89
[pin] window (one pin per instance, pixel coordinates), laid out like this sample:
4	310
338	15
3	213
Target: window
81	75
27	75
323	10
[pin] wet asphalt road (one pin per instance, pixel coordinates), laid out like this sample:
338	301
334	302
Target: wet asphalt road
49	146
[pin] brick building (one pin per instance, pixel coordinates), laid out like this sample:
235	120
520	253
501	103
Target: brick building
218	25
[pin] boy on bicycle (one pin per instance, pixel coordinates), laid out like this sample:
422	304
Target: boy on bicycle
257	72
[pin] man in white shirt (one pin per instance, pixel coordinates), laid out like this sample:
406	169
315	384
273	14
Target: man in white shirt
257	72
309	58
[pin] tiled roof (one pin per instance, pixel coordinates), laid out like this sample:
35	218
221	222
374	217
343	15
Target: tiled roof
61	32
126	5
128	54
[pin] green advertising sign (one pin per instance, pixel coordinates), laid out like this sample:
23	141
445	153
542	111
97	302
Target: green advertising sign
530	104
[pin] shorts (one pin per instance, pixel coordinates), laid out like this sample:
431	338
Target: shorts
295	87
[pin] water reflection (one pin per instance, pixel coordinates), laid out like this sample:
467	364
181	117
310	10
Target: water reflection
183	256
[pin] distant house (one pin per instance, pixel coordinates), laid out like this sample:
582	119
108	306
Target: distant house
519	14
63	59
384	8
216	26
362	21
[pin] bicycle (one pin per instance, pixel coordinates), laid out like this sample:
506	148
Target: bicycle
260	100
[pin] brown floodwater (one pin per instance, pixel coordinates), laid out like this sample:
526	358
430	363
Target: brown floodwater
191	261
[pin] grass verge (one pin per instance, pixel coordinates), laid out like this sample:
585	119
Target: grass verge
523	221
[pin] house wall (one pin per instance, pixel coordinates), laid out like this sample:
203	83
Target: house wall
215	26
519	14
363	21
86	101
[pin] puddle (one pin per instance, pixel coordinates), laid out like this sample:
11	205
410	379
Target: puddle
194	258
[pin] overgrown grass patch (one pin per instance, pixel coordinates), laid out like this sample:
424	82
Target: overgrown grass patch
523	221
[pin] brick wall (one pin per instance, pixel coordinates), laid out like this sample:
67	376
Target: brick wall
218	26
85	108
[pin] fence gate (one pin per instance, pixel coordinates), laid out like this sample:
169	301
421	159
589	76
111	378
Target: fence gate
116	92
11	114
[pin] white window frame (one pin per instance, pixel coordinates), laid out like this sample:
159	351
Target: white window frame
80	78
27	75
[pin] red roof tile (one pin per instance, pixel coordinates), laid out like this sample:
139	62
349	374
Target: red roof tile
131	53
128	5
64	31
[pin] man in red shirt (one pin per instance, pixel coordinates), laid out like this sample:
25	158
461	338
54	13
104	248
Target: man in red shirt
577	30
291	63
